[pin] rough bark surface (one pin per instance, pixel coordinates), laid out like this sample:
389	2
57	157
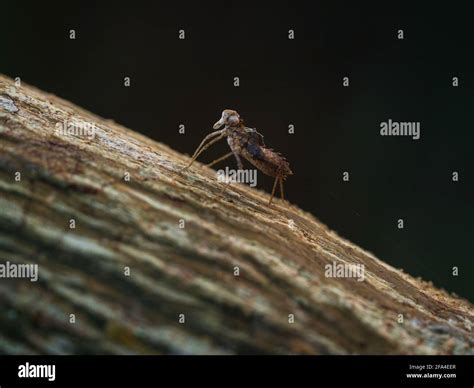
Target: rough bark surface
281	253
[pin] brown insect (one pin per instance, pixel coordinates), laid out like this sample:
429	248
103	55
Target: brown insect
247	143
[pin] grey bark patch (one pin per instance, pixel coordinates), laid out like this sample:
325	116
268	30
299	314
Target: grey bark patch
8	104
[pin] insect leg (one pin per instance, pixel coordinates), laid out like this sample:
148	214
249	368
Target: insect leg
240	166
220	159
206	138
202	148
235	148
281	189
273	191
239	163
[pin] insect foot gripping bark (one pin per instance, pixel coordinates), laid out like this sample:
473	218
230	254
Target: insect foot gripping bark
245	143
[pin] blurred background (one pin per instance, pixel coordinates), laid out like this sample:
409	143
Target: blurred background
285	82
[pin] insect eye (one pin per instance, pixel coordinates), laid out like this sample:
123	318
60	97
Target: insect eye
233	119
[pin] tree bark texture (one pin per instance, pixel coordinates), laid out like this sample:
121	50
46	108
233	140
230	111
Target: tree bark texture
151	266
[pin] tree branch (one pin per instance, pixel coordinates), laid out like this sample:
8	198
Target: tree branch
183	240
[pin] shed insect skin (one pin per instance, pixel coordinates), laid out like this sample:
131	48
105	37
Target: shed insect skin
247	143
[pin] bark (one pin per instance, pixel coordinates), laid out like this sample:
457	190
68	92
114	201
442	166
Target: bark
183	239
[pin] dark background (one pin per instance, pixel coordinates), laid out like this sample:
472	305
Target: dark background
289	82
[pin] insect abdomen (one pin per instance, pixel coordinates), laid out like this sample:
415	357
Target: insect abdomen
267	160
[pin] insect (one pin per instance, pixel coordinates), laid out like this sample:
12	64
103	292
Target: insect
247	143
